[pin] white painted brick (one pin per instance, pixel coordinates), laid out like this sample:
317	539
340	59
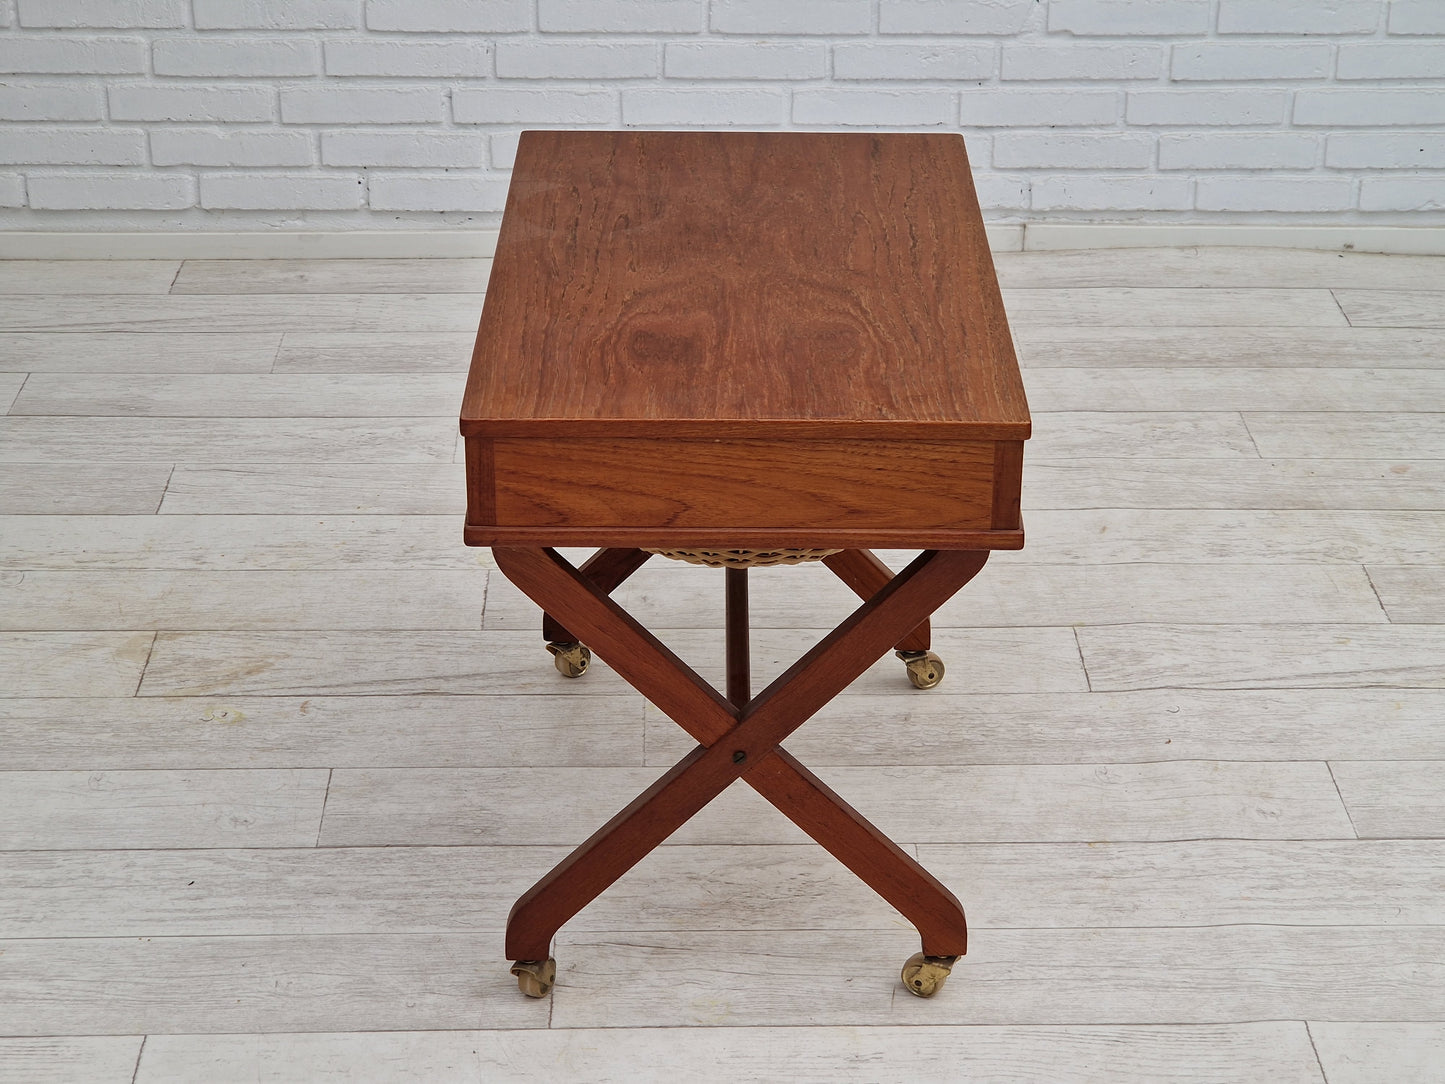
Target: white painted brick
436	192
12	190
1085	192
282	191
745	60
1000	192
450	16
51	101
1291	194
159	101
73	146
1386	150
1072	150
954	16
1417	17
503	105
989	108
1369	108
894	60
217	147
55	54
111	191
1207	107
1299	16
1392	60
408	149
1403	193
104	13
1238	150
332	104
621	16
277	14
431	58
690	108
1083	60
577	60
1238	60
1119	17
792	16
870	108
504	149
258	57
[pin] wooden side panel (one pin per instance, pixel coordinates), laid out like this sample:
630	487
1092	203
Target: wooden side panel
1008	472
820	484
481	481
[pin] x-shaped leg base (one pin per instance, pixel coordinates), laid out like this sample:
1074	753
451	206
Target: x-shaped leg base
737	742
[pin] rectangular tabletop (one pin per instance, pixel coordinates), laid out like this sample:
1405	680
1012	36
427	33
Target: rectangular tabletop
743	340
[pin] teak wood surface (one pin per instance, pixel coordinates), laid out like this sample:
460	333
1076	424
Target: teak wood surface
743	340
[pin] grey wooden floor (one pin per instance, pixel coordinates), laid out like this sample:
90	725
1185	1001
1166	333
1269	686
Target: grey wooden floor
279	751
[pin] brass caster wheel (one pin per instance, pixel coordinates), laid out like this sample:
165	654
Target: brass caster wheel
571	660
535	977
925	669
924	976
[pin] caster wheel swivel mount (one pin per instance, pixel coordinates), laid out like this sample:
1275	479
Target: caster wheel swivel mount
535	977
925	669
924	976
571	659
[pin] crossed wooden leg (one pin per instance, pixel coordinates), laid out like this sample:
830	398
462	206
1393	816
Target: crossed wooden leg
737	742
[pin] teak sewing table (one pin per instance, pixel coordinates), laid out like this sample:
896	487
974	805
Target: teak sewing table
743	347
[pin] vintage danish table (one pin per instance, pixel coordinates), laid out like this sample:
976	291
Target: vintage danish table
742	348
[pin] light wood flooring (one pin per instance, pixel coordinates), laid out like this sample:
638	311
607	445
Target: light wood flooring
277	751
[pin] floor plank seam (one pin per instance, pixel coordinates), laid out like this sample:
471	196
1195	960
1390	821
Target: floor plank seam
1335	297
1371	581
1330	765
25	379
1079	647
1309	1034
135	1073
325	797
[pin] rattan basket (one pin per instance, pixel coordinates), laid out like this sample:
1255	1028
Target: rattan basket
745	558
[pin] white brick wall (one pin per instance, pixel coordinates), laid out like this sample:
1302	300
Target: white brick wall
128	114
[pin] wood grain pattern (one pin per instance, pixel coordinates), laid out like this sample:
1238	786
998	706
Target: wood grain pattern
200	985
1261	656
1389	484
1223	266
231	277
1018	595
162	809
254	313
1248	389
197	440
72	663
89	601
1209	536
236	542
87	276
349	352
721	276
1414	594
991	803
495	663
1377	435
1173	307
964	727
1043	345
1140	434
81	487
52	734
1393	799
814	1055
802	485
386	488
63	352
1231	973
1358	1053
100	1059
300	395
1393	308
